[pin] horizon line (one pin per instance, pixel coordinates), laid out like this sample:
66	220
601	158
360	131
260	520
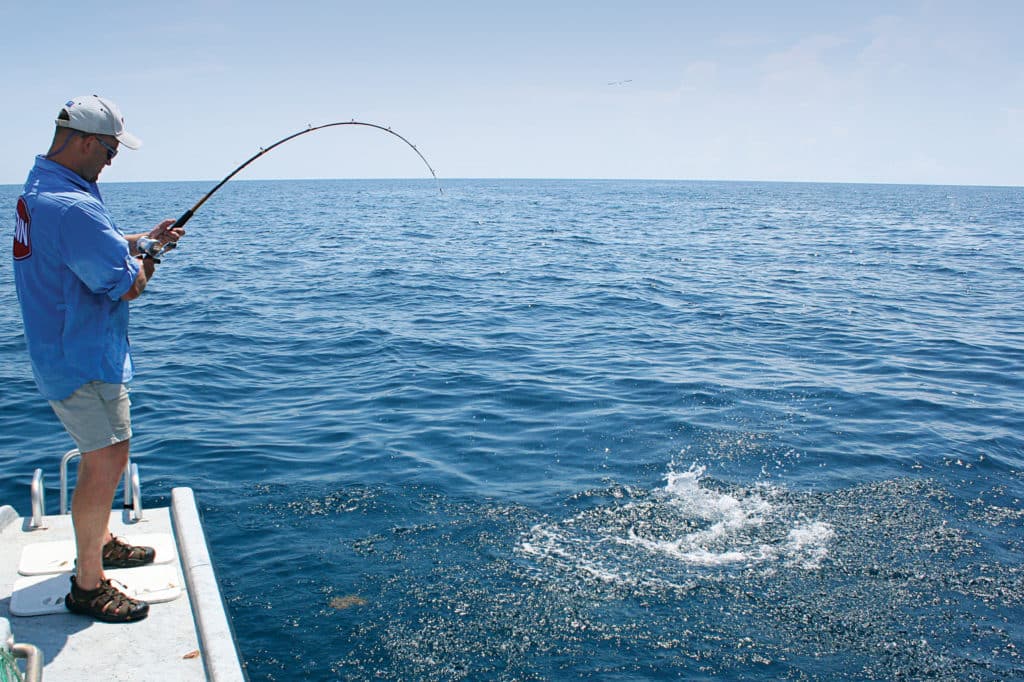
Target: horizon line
564	179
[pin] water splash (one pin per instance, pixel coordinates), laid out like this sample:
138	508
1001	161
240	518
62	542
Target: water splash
692	528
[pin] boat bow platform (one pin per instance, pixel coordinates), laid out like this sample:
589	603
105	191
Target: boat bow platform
187	635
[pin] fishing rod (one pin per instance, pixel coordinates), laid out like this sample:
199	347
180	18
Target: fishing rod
154	248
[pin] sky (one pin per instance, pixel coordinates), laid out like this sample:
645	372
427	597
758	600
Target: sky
903	91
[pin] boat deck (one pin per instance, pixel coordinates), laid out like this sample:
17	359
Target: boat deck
186	638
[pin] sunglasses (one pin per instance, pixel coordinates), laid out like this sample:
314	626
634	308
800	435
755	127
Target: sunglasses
111	152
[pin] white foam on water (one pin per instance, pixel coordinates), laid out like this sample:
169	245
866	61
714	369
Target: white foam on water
684	530
726	516
807	545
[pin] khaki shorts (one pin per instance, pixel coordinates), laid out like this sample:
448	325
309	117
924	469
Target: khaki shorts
98	414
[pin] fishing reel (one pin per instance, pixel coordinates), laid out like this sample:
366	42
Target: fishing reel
153	248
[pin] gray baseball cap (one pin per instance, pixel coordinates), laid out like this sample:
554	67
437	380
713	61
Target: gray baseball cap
96	115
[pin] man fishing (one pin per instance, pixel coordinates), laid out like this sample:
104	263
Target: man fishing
75	272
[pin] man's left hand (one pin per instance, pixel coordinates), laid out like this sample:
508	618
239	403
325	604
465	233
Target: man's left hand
166	234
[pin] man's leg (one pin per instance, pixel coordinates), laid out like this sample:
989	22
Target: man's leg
98	475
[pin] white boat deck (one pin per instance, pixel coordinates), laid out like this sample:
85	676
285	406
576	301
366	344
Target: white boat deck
186	638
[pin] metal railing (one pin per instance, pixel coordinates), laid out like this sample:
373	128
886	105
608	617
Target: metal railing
131	485
38	500
11	650
132	489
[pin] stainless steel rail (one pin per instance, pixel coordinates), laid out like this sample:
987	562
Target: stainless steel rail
33	655
132	488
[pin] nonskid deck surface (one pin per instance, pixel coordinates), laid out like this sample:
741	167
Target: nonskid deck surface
46	569
168	645
47	558
43	595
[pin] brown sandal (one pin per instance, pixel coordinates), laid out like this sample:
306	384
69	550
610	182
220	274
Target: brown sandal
106	603
119	554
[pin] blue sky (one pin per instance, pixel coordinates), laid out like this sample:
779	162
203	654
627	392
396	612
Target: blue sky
902	91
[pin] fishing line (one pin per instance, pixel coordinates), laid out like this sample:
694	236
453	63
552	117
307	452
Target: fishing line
154	248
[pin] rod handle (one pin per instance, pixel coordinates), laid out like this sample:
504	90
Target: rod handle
183	219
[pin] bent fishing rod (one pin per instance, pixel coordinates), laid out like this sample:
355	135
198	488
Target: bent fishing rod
154	248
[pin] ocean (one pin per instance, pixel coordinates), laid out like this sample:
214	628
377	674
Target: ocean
562	430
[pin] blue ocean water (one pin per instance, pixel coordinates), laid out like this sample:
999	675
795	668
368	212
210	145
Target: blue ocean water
554	430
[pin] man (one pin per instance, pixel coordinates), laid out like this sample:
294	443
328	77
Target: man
75	272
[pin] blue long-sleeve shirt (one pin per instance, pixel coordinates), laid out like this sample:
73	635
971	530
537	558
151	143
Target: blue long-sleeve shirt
71	267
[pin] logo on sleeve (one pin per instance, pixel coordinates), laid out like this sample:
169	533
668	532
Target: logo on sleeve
22	232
